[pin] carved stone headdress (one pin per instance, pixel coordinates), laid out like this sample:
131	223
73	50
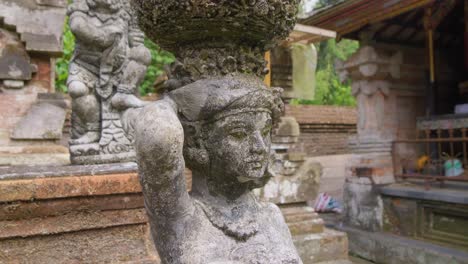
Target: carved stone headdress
213	99
209	37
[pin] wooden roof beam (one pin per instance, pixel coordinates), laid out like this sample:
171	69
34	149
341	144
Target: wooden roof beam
315	31
445	8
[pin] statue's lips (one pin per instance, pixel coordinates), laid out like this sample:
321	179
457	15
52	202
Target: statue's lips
256	164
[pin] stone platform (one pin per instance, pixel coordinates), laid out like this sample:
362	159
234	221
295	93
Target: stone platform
95	214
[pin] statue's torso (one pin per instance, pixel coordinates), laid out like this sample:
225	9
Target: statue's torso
206	243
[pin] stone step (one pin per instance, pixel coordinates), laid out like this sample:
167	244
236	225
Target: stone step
330	245
341	261
302	219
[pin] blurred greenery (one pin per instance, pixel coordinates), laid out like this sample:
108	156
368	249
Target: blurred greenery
160	58
61	67
329	89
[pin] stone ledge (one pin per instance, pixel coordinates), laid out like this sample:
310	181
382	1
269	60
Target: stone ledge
72	222
65	187
46	208
391	249
458	194
27	172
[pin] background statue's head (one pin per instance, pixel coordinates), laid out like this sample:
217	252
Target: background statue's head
111	6
227	124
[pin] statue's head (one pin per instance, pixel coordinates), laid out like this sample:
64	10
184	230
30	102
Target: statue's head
111	6
227	124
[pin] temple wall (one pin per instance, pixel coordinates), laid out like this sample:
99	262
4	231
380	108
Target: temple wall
15	103
324	129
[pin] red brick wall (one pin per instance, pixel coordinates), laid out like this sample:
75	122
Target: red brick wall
324	129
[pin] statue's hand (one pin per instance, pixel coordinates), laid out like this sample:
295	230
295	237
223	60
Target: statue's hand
136	38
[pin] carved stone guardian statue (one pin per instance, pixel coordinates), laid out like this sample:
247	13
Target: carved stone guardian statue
109	63
216	118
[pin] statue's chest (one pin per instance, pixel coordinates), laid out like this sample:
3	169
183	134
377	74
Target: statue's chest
265	247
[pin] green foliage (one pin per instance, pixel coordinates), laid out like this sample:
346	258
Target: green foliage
159	59
329	90
61	67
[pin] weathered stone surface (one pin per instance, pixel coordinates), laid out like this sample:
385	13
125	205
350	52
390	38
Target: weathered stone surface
363	206
27	172
438	215
63	187
72	222
124	244
13	84
390	249
22	210
330	245
298	187
109	63
15	63
217	119
43	121
22	159
40	27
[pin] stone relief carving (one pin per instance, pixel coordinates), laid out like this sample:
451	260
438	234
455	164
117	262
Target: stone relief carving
109	63
216	119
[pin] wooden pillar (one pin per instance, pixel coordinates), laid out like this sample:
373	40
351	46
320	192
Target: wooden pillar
466	35
431	87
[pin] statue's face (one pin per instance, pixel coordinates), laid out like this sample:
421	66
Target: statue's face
239	146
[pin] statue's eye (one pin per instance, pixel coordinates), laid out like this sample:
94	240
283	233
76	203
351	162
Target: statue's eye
266	131
238	133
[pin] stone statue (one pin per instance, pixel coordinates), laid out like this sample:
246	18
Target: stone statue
216	118
109	63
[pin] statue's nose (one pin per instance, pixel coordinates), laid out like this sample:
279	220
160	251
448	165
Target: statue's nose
258	144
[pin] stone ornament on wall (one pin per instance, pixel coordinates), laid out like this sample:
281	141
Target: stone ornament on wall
109	63
15	63
216	119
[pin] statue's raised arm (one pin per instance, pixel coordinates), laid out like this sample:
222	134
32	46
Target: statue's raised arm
159	139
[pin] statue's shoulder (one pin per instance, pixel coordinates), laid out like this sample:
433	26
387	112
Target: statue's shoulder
272	210
78	7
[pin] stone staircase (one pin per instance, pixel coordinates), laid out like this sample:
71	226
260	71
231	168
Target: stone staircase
314	242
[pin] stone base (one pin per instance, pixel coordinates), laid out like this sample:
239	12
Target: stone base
437	215
34	155
390	249
103	158
330	245
95	214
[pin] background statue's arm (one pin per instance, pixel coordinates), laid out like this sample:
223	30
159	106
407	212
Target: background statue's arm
159	144
85	31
